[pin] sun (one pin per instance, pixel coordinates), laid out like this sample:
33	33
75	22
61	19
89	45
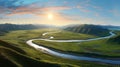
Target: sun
50	16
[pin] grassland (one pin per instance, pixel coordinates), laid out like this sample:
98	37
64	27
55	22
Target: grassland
98	47
33	57
67	35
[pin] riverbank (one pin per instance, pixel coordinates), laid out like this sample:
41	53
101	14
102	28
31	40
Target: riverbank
48	51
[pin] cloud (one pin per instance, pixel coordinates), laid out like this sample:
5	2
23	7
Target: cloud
37	10
9	6
34	9
8	3
56	8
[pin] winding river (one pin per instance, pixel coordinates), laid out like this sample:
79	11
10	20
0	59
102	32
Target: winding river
71	56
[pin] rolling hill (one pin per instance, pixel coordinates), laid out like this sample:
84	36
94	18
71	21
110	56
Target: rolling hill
115	39
5	28
88	29
14	57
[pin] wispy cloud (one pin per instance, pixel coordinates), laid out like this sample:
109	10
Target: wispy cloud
37	10
115	12
8	6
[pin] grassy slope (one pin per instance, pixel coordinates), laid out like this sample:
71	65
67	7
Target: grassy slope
19	41
115	40
88	29
21	60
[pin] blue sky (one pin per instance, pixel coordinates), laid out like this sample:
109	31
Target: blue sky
62	12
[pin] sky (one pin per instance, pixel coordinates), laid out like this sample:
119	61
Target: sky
60	12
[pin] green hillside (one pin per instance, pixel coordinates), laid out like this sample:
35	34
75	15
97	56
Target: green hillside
115	39
88	29
5	28
14	57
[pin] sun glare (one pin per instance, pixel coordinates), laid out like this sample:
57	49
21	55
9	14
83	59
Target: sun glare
50	16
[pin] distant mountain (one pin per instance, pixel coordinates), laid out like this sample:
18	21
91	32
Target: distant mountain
88	29
110	27
115	39
4	28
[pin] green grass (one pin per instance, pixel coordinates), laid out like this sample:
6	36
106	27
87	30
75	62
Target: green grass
100	47
12	46
23	61
66	35
17	41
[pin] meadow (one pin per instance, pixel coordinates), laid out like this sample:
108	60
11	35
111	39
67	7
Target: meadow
18	40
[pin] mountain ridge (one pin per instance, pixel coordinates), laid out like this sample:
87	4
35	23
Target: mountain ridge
88	29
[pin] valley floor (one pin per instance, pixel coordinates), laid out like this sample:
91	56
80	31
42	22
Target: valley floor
98	48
